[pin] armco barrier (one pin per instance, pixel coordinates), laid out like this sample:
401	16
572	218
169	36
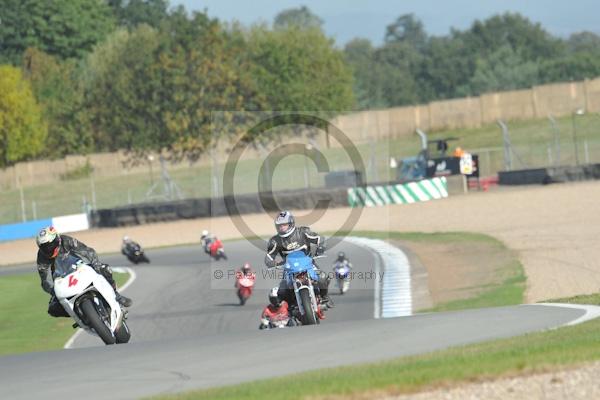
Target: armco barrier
524	177
64	224
550	175
201	208
405	193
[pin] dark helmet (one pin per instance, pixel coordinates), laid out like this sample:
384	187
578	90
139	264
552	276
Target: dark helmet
246	269
273	298
48	241
341	256
285	224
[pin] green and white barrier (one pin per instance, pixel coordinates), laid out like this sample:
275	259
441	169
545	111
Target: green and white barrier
405	193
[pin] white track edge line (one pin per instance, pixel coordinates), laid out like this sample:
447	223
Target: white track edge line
591	312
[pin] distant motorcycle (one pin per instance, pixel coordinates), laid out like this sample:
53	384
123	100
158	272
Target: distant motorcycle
135	253
90	300
281	321
342	276
244	285
277	319
216	250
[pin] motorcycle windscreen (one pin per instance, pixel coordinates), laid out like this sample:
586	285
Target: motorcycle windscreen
64	265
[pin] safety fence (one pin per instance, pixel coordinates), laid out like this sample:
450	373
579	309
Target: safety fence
403	193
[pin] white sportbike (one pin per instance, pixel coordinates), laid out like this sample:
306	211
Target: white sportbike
89	299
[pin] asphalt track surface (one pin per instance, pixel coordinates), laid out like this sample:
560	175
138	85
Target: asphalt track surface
189	332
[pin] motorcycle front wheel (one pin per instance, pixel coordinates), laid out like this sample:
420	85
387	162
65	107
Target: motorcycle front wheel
309	316
123	334
94	320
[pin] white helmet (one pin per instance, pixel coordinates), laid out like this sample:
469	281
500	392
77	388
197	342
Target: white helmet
285	224
204	233
48	240
126	238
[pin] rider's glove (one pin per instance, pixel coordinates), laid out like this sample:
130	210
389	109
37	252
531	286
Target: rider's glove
270	263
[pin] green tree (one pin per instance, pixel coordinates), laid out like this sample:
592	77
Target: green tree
65	28
131	13
368	74
301	18
574	67
148	89
407	29
447	64
529	39
584	42
300	69
121	86
57	87
504	69
22	131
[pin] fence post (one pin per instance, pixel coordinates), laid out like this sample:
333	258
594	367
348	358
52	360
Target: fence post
22	196
507	153
34	209
556	139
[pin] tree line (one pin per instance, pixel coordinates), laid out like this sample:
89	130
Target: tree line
503	52
81	76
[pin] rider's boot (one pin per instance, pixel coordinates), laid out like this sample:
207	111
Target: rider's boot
122	300
325	299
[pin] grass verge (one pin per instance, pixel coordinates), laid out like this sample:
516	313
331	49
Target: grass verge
25	325
507	289
528	354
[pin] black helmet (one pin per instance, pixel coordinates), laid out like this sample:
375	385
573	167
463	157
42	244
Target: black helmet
285	224
273	298
246	268
341	256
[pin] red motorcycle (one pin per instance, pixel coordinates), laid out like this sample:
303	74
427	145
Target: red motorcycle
244	285
217	251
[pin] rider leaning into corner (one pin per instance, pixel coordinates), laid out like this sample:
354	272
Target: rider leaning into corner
50	246
206	239
126	244
291	238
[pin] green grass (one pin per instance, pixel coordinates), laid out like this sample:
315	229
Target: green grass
25	325
434	237
508	292
530	139
527	354
510	288
593	299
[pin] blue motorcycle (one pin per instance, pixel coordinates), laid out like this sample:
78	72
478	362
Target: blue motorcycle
299	273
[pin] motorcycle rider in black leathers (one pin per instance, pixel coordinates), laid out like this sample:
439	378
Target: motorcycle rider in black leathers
290	238
52	245
128	246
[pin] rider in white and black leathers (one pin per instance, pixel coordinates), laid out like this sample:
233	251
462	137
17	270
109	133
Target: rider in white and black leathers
291	238
52	245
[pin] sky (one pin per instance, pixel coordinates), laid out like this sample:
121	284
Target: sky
347	19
